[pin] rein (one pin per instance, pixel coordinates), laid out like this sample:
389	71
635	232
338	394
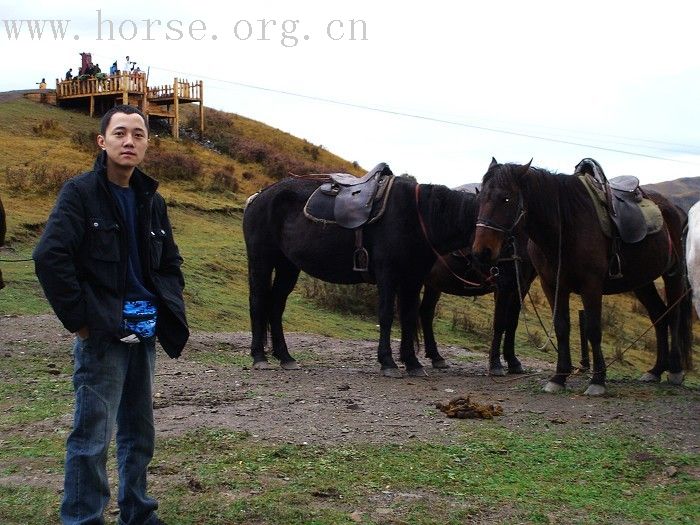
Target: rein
437	254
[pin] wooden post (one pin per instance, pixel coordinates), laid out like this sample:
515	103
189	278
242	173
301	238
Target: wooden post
176	104
201	109
125	88
144	100
92	106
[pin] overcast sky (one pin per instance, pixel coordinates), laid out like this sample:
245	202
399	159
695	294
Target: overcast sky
433	88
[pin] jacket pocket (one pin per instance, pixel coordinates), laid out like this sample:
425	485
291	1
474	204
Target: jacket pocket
104	240
157	238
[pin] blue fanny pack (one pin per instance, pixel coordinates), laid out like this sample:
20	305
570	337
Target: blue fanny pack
139	320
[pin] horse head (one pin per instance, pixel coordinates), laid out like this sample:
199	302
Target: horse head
501	209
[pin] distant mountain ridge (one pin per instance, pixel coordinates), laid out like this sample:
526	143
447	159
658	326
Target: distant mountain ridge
682	192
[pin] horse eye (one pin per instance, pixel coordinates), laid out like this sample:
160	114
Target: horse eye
506	199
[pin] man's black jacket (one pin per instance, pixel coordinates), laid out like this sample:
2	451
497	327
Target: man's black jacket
81	258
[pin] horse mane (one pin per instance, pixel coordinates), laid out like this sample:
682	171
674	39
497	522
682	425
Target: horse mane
445	211
556	197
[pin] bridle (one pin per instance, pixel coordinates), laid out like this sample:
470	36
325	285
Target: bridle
481	222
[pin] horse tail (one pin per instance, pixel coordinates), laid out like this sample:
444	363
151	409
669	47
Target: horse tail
685	327
685	308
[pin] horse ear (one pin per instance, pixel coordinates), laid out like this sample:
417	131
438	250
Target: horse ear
493	162
524	169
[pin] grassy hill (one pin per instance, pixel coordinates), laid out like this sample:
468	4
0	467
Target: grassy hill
205	184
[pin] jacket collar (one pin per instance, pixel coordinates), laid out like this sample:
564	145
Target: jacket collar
141	182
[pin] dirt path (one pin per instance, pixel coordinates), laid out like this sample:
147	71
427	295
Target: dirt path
338	395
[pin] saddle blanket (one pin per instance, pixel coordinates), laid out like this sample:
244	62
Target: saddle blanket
648	219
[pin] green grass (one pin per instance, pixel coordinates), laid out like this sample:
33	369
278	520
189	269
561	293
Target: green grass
220	477
589	478
33	387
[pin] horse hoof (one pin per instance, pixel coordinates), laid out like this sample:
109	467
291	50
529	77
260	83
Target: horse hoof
648	377
553	388
497	371
516	369
676	378
290	365
417	372
392	372
262	365
594	390
441	363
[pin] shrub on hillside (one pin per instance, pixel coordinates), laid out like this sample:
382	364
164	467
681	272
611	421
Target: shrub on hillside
247	150
172	165
41	179
86	141
48	128
464	321
223	180
358	299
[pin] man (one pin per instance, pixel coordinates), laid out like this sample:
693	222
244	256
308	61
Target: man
110	268
69	74
128	65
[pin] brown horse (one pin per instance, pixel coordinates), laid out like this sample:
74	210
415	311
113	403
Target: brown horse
455	275
572	255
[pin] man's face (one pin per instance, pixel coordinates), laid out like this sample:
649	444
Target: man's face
125	140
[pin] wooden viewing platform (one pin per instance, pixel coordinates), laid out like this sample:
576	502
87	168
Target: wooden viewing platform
100	94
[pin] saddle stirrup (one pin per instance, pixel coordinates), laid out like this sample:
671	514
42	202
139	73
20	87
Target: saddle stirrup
360	257
615	267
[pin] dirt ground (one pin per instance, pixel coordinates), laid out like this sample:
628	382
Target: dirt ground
339	397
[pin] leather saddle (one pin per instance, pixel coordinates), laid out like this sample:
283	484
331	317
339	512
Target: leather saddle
350	201
623	199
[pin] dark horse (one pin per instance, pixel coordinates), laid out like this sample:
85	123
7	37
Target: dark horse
281	239
572	255
455	275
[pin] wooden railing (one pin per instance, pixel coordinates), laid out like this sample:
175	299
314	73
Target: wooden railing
124	82
182	87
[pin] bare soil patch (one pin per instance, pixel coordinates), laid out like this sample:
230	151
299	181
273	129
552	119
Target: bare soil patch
339	397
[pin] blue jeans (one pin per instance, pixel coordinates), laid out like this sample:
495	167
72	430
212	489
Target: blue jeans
113	385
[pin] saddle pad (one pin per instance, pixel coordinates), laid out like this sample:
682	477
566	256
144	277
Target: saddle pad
321	205
642	218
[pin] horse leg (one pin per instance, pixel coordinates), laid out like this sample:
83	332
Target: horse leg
592	304
585	362
562	327
286	275
500	314
408	315
259	278
431	296
387	295
512	320
675	288
651	300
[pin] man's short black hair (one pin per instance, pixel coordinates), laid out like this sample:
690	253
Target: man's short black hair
122	108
